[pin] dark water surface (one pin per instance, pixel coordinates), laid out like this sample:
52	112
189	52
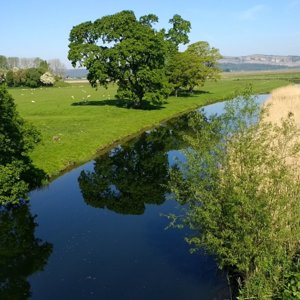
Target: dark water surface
99	233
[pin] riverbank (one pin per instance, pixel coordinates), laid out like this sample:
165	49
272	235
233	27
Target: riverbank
77	122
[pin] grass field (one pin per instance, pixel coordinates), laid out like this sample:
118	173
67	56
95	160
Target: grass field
73	134
289	75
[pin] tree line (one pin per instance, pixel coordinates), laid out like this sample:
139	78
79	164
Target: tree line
9	63
30	72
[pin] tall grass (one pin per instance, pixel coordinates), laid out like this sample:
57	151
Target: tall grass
284	102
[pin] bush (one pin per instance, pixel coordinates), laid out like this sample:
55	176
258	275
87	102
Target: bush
47	79
9	78
12	187
32	77
242	194
291	290
17	139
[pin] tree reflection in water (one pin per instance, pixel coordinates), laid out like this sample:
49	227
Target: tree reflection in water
134	174
21	253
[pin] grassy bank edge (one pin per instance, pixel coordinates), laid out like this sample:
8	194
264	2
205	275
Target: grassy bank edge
219	91
105	148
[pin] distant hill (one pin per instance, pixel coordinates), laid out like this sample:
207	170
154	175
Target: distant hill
256	62
76	73
259	62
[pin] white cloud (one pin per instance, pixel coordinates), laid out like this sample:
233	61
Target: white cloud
251	13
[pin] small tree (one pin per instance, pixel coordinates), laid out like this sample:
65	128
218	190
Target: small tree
19	77
32	76
9	78
194	67
42	65
120	48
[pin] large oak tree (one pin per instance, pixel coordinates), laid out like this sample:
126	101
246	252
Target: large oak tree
128	51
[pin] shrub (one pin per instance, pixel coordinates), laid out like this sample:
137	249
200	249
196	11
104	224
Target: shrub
32	76
17	139
47	79
242	194
12	187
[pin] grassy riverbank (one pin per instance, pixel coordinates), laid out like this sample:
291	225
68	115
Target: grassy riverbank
73	134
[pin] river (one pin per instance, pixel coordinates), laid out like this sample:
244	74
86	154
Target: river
99	231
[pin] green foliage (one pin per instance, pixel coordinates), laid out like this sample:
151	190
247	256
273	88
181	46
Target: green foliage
17	139
12	187
241	194
43	66
30	77
291	289
193	67
24	77
178	34
9	78
119	48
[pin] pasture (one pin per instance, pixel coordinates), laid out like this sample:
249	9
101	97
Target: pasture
77	122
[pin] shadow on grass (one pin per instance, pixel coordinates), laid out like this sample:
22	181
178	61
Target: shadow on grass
192	94
118	103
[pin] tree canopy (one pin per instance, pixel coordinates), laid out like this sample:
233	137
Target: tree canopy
193	67
128	51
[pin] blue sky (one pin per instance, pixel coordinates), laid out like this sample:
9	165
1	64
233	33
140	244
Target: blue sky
35	28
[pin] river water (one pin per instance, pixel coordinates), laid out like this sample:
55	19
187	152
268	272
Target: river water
99	231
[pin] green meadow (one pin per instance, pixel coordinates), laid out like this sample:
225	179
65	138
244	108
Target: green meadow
73	134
